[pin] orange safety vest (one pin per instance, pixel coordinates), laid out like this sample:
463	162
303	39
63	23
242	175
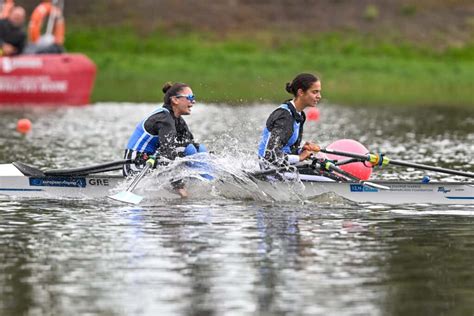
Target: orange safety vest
5	8
39	16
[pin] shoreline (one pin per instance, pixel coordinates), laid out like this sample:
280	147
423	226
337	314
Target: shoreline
354	70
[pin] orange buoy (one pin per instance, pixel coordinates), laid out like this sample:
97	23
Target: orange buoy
23	126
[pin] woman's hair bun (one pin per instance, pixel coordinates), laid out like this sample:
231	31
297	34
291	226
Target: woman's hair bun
303	81
167	86
289	87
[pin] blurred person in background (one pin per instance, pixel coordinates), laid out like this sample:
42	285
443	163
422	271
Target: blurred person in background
12	35
6	8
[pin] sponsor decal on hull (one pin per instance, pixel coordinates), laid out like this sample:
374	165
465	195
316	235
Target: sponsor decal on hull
442	189
362	188
58	182
103	182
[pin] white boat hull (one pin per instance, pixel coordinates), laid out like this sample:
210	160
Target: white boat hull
13	183
399	192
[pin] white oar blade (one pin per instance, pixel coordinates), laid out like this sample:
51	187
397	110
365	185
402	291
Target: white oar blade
127	197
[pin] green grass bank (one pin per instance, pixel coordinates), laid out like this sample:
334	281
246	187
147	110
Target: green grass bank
248	68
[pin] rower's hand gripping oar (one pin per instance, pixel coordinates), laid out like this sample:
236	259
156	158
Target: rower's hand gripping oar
381	160
330	166
320	165
128	196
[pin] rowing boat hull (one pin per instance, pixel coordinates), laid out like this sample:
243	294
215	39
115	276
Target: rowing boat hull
58	187
399	192
14	183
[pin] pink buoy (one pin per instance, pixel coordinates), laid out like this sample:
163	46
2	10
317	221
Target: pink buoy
312	114
358	169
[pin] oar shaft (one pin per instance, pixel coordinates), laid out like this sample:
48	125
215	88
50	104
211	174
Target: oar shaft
139	177
399	163
290	168
432	168
343	153
86	170
128	196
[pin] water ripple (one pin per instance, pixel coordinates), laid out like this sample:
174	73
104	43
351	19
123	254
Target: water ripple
245	256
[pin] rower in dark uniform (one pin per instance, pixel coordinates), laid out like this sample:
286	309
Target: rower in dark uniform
283	132
164	132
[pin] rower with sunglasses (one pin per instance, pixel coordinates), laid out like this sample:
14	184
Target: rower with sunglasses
164	132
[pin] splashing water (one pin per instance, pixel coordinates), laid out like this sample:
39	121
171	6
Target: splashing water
211	177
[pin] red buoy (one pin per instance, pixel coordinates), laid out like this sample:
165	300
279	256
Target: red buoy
312	114
23	126
358	169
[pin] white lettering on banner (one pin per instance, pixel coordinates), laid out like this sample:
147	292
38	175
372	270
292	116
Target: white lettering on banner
37	84
10	64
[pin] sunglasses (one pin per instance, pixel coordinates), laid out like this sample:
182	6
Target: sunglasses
189	97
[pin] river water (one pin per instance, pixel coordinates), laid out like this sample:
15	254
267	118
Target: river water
209	255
